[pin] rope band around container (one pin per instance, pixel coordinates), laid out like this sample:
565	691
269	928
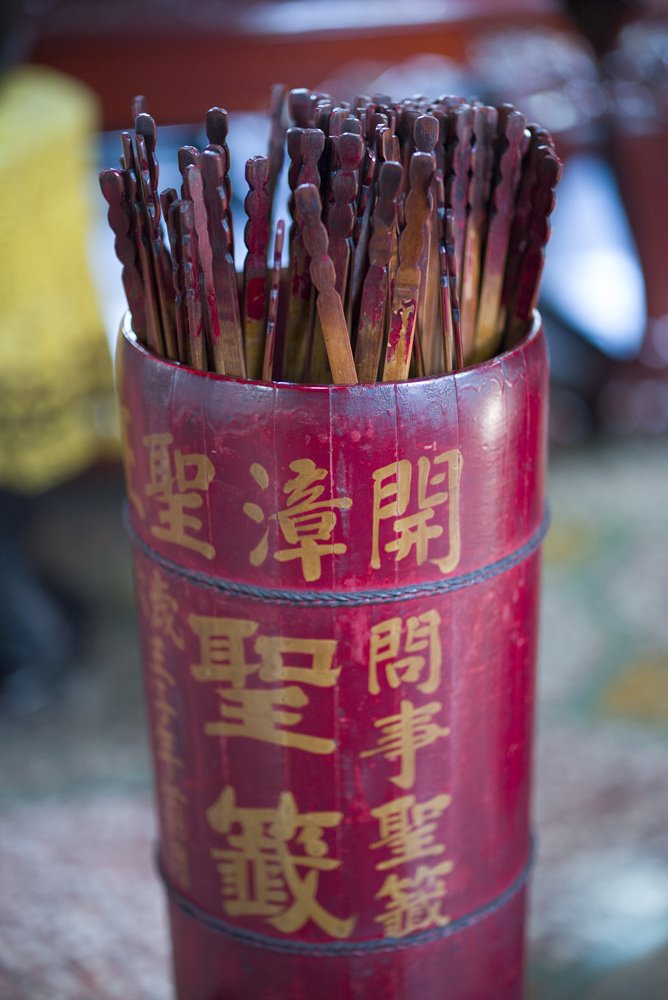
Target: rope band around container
343	598
347	948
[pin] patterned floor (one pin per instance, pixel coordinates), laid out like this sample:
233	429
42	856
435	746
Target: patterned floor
81	914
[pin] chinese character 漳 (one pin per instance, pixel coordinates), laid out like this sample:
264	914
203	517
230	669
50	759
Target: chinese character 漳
407	829
269	714
402	735
421	637
270	867
414	902
306	523
177	481
411	510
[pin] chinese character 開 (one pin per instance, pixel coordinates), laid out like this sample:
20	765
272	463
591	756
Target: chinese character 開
413	523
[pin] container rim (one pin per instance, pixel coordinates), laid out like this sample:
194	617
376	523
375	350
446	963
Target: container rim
532	334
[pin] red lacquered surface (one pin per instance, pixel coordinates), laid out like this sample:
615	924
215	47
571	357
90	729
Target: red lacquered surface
338	596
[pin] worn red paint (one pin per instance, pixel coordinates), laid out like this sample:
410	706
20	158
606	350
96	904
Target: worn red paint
255	297
465	660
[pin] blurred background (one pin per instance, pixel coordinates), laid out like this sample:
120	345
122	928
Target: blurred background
81	914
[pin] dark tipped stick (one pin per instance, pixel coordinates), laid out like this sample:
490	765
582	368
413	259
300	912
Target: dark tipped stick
138	106
341	216
349	149
451	254
311	147
549	171
425	137
446	310
329	304
120	219
154	338
127	154
228	314
188	156
162	268
256	237
300	107
145	126
172	215
487	334
403	316
191	285
277	130
193	191
296	337
375	292
444	279
293	140
217	128
520	226
158	258
425	133
272	312
482	162
459	186
362	235
167	199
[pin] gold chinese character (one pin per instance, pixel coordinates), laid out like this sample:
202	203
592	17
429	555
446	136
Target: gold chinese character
407	829
163	609
260	713
421	634
414	903
406	733
174	802
177	481
306	524
414	530
270	867
129	460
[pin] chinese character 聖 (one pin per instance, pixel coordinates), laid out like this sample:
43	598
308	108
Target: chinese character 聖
268	714
407	829
176	482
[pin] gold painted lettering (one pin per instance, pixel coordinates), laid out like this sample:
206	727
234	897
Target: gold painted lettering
271	865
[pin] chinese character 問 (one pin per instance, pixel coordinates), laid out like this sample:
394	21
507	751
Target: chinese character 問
421	662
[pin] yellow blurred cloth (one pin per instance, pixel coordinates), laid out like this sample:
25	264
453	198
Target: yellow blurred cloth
56	396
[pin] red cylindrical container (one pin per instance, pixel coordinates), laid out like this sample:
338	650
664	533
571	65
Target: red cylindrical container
338	596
